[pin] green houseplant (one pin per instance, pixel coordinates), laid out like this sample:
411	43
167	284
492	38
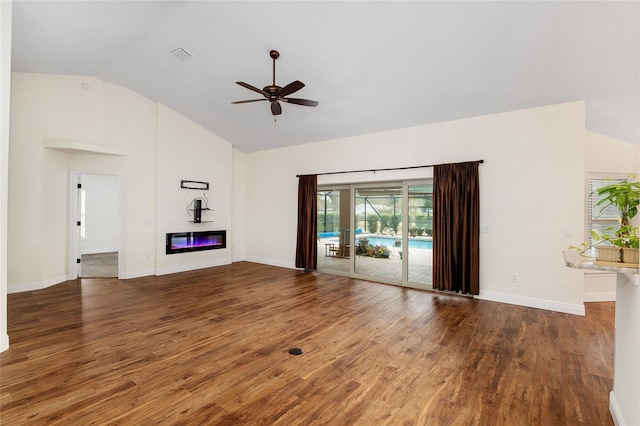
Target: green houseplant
627	240
607	251
624	196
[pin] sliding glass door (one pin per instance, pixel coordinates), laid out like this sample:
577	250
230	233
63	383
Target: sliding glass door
380	232
419	245
377	220
334	205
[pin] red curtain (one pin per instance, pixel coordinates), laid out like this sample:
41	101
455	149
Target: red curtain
306	245
456	228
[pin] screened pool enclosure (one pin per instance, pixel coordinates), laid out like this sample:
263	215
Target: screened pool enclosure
392	227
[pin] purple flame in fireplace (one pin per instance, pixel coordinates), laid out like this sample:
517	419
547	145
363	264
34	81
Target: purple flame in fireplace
181	242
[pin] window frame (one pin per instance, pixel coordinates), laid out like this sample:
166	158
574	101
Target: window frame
603	220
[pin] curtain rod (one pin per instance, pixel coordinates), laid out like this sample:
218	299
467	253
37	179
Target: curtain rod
392	168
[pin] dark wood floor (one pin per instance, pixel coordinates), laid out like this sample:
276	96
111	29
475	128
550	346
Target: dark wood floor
211	347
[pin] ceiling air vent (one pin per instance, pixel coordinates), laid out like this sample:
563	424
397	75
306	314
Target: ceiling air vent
181	54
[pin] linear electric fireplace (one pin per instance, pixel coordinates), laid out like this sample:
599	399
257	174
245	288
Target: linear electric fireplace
183	242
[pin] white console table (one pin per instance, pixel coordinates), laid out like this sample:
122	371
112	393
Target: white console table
624	400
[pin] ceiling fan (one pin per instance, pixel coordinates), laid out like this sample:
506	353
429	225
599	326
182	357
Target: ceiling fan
276	94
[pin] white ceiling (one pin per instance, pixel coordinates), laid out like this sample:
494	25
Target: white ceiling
373	66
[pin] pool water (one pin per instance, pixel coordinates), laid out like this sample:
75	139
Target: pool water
389	242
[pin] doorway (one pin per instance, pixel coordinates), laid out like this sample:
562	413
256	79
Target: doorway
334	224
97	225
380	232
378	212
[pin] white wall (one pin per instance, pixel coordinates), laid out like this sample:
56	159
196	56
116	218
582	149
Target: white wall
161	147
626	386
126	121
532	193
5	90
187	151
130	121
239	207
38	185
623	401
607	156
102	213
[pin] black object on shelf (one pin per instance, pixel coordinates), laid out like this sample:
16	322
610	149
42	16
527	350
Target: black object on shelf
197	211
196	207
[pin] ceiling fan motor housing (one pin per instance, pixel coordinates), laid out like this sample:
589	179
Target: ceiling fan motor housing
273	92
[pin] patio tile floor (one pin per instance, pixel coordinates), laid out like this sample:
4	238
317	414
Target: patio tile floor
420	265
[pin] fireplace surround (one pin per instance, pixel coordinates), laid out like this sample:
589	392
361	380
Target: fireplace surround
184	242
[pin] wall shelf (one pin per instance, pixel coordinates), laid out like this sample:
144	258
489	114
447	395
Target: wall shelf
76	147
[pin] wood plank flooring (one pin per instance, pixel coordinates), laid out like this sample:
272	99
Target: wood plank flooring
211	347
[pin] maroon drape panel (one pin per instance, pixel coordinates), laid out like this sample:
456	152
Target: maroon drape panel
456	228
306	245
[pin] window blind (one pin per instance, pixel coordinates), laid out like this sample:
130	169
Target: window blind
600	218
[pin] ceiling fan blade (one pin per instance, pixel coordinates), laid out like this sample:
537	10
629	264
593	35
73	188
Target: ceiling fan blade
290	88
305	102
276	109
255	89
247	101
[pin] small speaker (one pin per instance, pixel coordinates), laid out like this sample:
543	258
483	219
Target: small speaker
197	211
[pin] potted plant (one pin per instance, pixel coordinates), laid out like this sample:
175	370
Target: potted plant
363	243
631	254
628	241
606	249
624	196
375	251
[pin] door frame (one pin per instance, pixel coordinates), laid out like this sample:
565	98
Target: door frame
352	258
339	187
75	267
404	184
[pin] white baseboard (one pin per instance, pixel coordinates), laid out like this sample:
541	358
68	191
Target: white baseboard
191	267
614	409
532	302
4	342
36	285
270	262
600	297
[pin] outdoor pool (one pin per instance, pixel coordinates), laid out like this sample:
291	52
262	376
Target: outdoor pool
389	241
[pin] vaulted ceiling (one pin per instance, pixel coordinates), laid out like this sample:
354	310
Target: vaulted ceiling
373	66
